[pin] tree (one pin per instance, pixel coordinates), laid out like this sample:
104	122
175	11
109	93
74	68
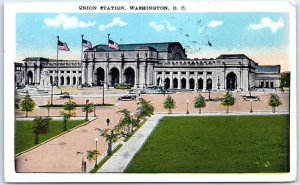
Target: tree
91	155
126	120
284	80
228	101
145	109
40	126
88	108
274	101
27	104
68	112
199	102
169	104
111	136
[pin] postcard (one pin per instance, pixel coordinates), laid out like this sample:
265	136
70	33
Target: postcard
150	91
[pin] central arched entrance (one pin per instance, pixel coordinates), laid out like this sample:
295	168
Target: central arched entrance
114	76
231	81
30	77
192	83
129	76
99	76
183	83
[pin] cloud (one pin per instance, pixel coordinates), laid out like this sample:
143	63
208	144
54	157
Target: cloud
266	22
67	22
164	25
214	23
115	22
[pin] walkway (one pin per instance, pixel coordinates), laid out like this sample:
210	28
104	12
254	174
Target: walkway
119	161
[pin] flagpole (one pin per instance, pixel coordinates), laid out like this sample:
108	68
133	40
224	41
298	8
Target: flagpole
107	60
56	80
81	60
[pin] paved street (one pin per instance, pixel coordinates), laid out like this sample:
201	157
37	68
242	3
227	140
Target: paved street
62	154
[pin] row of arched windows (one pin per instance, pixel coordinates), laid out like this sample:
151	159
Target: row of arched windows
183	83
66	81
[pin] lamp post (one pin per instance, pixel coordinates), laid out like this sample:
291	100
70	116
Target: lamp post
251	106
102	82
187	106
131	114
96	139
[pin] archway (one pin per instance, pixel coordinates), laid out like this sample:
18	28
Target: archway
62	80
114	76
192	83
167	83
183	83
30	77
68	80
51	80
129	76
231	81
74	80
200	83
99	76
209	84
175	83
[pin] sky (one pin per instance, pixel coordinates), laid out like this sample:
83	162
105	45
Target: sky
263	37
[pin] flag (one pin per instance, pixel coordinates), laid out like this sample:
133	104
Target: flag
86	44
62	46
113	44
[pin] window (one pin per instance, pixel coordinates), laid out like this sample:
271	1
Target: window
191	73
62	72
175	73
74	71
200	73
79	72
51	71
159	73
183	73
271	84
68	71
167	73
209	73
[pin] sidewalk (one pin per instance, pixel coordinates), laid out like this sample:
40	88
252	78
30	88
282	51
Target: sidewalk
120	160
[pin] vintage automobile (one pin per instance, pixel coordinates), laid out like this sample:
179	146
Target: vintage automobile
66	95
127	98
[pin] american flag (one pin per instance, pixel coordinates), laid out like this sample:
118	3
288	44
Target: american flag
62	46
113	45
86	44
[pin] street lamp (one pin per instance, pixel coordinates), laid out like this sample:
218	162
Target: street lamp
187	106
131	114
251	106
96	139
102	82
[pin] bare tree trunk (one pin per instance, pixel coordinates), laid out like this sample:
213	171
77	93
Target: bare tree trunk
26	114
199	110
86	116
227	110
109	149
273	109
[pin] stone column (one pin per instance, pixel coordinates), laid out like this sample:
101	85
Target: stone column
187	80
196	81
171	80
163	78
142	75
204	80
89	73
179	80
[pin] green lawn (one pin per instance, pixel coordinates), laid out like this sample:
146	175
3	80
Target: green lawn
216	144
24	138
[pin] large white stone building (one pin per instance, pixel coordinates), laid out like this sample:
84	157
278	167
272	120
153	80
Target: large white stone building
142	65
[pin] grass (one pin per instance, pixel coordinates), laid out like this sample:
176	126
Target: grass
77	105
220	144
94	170
24	137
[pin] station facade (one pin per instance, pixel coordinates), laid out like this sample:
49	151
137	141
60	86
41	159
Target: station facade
143	65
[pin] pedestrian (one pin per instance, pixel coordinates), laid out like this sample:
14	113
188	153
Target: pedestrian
107	122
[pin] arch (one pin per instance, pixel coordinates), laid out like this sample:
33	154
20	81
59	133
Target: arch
177	56
51	80
30	77
80	80
200	83
62	80
175	83
231	81
167	83
74	80
114	76
99	76
158	81
192	83
129	75
209	84
183	83
68	80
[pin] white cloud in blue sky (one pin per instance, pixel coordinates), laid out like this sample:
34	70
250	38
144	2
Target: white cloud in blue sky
67	22
163	25
215	23
115	22
266	22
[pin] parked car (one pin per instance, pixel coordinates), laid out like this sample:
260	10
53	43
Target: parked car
122	86
127	98
66	96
